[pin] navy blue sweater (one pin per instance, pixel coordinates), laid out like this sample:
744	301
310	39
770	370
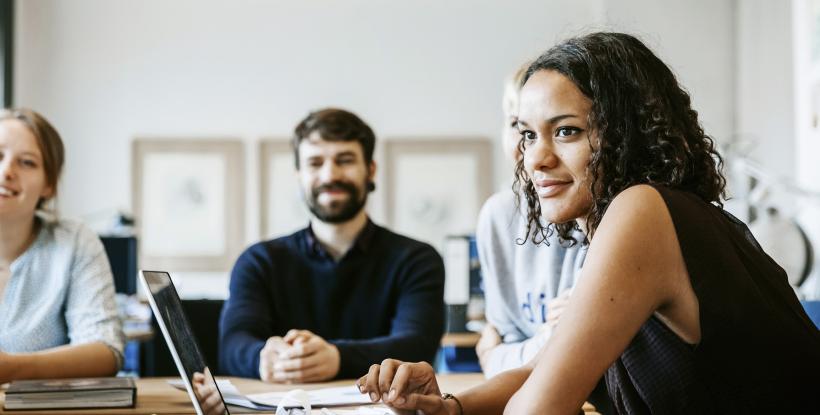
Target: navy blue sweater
383	299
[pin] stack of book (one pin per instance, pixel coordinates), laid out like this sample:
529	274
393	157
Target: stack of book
71	393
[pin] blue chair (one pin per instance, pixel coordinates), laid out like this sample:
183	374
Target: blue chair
813	310
455	359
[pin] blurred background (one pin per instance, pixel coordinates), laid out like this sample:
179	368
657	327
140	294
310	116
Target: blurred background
109	73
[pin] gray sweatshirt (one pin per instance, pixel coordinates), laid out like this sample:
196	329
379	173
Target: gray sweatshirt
519	280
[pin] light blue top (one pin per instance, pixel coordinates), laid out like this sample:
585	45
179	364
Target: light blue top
519	280
60	291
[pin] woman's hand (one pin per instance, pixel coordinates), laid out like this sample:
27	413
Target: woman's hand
488	341
207	394
556	307
406	387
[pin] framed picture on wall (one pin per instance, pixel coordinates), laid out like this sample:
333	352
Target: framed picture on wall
435	187
283	210
188	200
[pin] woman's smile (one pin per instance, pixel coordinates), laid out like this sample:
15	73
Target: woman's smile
550	187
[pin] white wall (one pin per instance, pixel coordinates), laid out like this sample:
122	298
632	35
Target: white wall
807	111
697	39
773	108
765	79
106	71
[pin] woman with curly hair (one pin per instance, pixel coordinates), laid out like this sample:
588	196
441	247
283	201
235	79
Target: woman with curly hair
676	305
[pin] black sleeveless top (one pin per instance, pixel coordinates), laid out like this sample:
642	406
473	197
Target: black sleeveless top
759	352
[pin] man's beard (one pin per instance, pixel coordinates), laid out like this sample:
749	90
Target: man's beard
337	211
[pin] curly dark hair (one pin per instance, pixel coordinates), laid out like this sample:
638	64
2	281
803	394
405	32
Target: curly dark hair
646	128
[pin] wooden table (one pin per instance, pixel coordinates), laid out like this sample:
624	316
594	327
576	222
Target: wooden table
460	339
156	396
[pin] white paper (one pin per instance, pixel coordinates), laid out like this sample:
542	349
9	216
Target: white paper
230	394
337	396
362	410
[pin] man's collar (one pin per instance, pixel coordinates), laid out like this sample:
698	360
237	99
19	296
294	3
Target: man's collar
363	240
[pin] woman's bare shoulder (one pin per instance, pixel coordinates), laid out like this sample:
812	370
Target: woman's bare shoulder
637	237
639	211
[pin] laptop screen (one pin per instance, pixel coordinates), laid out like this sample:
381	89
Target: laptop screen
188	358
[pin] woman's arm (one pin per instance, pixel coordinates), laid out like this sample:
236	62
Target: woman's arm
71	361
634	268
492	396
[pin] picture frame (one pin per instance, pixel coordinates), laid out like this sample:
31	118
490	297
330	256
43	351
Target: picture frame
188	202
282	206
436	186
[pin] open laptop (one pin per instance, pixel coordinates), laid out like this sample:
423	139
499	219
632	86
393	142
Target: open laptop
189	360
181	342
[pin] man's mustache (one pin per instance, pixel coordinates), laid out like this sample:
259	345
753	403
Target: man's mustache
333	186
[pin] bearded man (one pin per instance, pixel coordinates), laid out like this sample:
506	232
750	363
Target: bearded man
342	294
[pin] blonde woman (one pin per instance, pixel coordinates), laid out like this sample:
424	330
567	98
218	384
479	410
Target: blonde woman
58	316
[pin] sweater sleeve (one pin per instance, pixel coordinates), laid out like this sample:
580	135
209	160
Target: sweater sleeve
91	310
508	356
497	268
495	237
246	318
417	325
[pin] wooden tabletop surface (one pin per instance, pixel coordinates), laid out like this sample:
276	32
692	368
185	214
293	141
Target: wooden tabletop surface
156	396
460	339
